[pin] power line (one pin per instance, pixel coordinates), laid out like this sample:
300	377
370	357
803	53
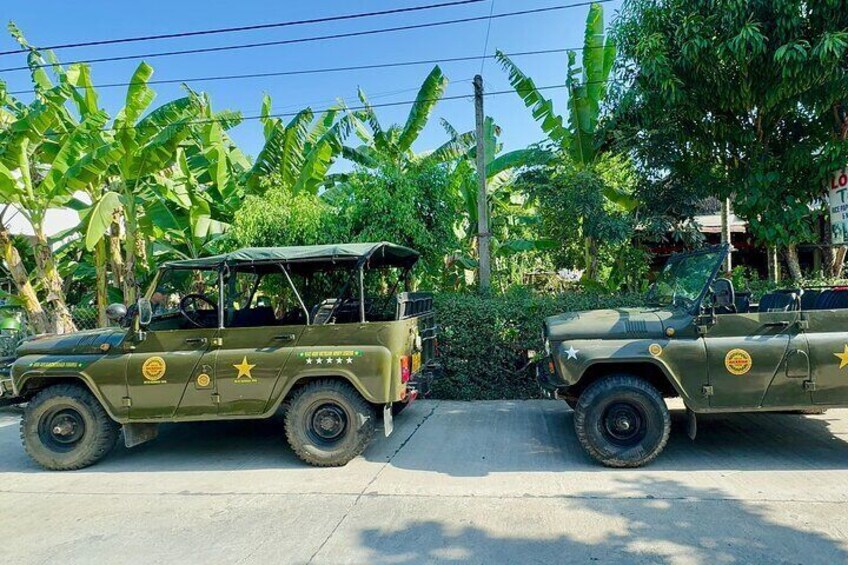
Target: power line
325	70
364	107
216	31
318	38
486	41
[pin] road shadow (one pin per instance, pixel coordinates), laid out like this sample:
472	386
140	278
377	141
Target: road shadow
471	439
700	526
197	446
476	439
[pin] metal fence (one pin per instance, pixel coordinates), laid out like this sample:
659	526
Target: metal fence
85	317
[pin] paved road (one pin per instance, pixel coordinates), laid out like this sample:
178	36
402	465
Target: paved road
476	482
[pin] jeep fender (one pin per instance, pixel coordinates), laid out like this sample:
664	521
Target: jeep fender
35	379
633	365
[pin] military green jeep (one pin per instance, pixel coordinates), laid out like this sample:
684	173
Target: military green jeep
322	331
699	340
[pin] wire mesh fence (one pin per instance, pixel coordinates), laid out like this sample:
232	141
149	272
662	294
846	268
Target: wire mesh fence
85	317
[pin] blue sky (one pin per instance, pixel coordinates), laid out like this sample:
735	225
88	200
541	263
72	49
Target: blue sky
58	22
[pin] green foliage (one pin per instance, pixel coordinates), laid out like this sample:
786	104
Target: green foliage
280	217
413	206
587	229
483	342
736	98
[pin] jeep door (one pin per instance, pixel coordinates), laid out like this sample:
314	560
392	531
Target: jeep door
263	324
166	365
757	359
828	341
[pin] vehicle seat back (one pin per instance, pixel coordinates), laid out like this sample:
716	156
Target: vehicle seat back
778	302
254	317
832	300
809	298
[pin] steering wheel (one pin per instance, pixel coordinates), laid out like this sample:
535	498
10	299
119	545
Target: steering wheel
192	314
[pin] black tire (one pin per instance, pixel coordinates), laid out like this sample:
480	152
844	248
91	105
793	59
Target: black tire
622	421
328	423
64	427
572	402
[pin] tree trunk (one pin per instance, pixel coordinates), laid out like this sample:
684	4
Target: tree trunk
102	290
793	263
130	251
838	262
773	264
62	320
115	250
591	260
36	316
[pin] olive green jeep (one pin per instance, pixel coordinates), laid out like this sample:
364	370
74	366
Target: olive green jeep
699	340
322	331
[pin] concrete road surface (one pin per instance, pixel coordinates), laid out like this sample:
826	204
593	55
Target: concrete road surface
482	482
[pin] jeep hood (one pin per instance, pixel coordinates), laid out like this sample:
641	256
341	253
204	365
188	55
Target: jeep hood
622	323
78	343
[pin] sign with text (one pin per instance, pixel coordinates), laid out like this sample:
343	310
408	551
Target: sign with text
839	207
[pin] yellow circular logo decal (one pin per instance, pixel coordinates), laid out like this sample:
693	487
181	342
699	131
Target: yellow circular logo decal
153	368
738	361
203	379
655	349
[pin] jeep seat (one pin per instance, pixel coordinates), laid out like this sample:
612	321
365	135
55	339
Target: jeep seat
831	300
254	317
778	302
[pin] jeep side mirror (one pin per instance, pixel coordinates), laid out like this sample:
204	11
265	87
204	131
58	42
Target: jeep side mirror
116	312
145	311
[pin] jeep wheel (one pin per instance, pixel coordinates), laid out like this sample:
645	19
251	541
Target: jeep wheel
328	423
622	421
64	427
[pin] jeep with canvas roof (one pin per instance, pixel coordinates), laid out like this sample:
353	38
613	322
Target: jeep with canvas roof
330	333
699	340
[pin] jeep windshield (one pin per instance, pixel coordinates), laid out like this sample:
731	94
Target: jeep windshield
684	278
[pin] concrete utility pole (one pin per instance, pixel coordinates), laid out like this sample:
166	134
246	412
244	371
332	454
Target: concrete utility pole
483	234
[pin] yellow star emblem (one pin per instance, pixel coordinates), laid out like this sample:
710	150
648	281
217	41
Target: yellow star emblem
244	369
843	358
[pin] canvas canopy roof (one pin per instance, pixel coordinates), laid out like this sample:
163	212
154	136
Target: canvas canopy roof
377	255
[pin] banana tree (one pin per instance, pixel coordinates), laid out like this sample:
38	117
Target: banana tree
136	149
508	208
393	145
299	153
587	89
37	148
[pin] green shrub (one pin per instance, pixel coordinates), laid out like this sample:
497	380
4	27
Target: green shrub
483	342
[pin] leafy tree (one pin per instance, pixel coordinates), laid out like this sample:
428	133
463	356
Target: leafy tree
413	206
588	229
737	96
282	217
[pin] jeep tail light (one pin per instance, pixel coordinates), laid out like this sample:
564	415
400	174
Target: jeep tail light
405	368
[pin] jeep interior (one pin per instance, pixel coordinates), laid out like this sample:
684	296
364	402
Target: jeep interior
313	291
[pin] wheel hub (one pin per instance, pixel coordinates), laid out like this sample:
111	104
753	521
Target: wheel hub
61	429
329	422
623	423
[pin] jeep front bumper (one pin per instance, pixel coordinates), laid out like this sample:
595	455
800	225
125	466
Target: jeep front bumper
547	378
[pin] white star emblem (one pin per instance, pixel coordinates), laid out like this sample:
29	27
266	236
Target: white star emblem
339	360
349	360
308	360
572	353
319	361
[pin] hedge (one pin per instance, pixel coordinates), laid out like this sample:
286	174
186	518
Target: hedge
483	341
